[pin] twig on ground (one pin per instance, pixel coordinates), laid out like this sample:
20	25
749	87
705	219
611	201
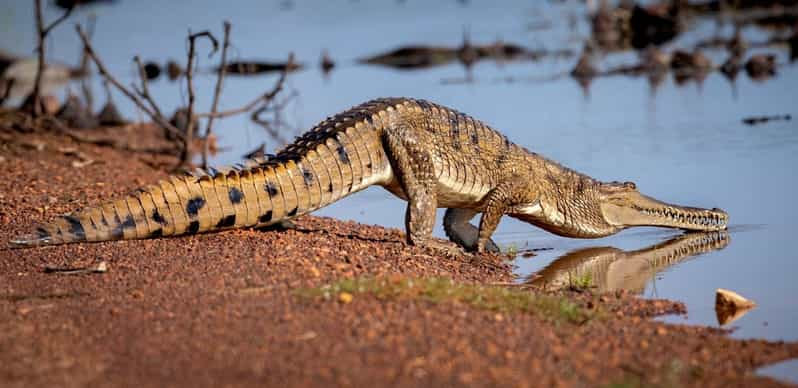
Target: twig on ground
217	92
100	267
33	102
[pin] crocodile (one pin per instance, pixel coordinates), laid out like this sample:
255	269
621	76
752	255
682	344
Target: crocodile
426	154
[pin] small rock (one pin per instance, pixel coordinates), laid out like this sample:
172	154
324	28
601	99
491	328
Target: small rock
727	299
345	297
730	306
101	267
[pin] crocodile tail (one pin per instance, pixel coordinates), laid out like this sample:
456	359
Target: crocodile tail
326	165
176	206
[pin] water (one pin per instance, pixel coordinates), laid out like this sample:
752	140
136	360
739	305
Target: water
683	145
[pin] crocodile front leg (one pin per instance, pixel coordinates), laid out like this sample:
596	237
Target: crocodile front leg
458	228
499	201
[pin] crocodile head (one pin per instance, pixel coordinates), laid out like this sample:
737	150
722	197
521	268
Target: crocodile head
597	209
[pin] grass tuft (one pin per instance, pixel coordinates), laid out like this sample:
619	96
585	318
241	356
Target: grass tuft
438	290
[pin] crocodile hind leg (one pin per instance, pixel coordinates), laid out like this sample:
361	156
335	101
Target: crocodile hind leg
458	228
413	168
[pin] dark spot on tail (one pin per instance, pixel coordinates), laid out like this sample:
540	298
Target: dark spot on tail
75	227
329	187
194	205
129	222
227	221
235	195
193	227
308	176
342	155
119	231
292	212
42	233
157	217
157	233
266	217
455	126
475	138
270	188
368	165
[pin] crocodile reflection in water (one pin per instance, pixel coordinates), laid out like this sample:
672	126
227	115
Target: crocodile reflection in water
610	269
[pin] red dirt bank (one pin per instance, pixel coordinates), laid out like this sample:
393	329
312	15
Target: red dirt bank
219	309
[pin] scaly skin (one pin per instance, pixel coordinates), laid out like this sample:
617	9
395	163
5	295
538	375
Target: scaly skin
426	154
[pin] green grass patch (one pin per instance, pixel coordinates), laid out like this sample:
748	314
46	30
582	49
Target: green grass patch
581	282
438	290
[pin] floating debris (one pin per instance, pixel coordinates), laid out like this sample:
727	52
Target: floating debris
255	67
173	70
327	64
421	57
413	57
687	66
756	120
761	67
67	4
152	70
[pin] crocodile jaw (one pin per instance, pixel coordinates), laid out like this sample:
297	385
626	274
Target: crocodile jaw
635	209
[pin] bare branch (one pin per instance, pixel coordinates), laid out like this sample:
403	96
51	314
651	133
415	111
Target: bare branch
104	72
208	35
189	135
216	93
266	97
144	92
33	102
58	21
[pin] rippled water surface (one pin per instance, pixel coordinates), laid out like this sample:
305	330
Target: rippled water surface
682	144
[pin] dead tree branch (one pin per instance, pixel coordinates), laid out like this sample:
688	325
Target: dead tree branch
264	98
158	119
144	91
33	102
216	93
189	135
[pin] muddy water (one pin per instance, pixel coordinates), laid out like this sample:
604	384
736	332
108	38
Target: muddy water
682	144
